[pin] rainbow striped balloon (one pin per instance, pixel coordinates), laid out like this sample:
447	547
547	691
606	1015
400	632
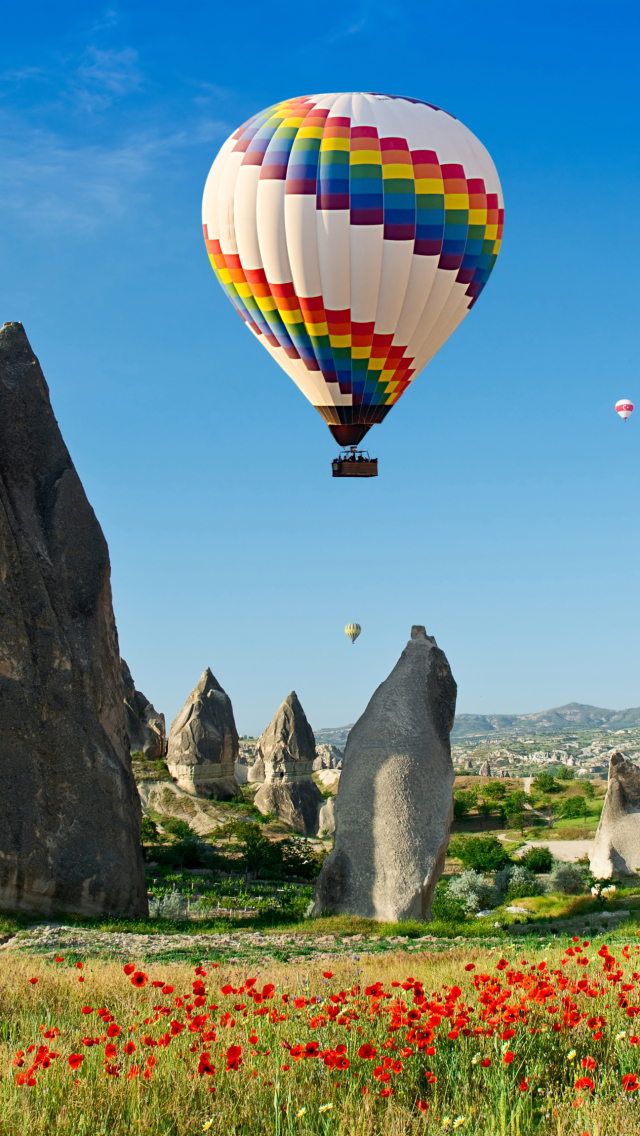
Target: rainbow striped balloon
353	233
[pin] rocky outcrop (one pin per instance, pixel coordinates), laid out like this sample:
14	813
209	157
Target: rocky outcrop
144	725
326	818
288	749
395	800
484	770
162	799
69	809
616	848
327	757
203	743
256	772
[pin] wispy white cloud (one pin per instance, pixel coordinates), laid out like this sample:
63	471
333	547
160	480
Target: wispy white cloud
56	187
103	76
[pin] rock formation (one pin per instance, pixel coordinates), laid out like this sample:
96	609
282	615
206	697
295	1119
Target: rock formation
326	818
256	772
69	810
144	725
484	770
203	743
327	757
616	848
288	749
395	800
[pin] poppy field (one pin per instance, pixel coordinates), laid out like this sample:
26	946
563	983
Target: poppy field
508	1041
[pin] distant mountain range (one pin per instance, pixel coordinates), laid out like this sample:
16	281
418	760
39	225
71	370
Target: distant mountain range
573	716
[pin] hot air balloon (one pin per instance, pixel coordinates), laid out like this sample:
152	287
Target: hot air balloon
353	233
624	407
353	630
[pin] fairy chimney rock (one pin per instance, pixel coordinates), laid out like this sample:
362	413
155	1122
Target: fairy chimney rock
203	743
69	809
144	725
616	848
287	749
394	805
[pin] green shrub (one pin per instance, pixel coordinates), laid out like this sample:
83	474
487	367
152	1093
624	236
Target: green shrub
483	853
565	773
473	890
566	879
589	790
463	801
546	783
575	807
493	791
149	831
538	860
177	827
444	906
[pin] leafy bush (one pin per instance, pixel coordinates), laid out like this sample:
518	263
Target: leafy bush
463	801
565	773
589	790
493	791
538	860
473	891
566	879
149	831
575	807
483	853
170	906
546	783
515	882
177	827
445	906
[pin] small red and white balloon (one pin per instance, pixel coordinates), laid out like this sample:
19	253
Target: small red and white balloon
624	408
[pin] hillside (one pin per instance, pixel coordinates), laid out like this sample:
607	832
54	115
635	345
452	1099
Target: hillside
573	716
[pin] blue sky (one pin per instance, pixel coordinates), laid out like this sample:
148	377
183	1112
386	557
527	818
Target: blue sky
505	514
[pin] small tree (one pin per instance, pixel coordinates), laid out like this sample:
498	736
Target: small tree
565	773
149	831
463	801
538	860
589	790
575	807
545	783
483	853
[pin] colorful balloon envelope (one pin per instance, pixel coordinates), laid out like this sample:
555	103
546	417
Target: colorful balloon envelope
353	233
624	407
353	630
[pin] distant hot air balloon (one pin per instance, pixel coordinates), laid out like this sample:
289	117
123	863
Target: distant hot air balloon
624	407
353	630
353	233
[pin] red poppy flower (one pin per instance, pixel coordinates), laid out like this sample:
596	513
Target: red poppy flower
75	1060
129	1048
33	981
253	1040
87	1009
133	1072
113	1030
584	1083
597	1035
226	989
129	968
470	966
507	1034
205	1066
199	970
148	1073
285	1068
139	979
524	1085
234	1057
367	1052
386	1092
502	964
421	1106
80	965
151	1062
328	973
630	1082
167	989
508	1057
110	1050
588	1063
59	959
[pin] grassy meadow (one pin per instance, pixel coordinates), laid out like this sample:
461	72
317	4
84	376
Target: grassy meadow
512	1040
